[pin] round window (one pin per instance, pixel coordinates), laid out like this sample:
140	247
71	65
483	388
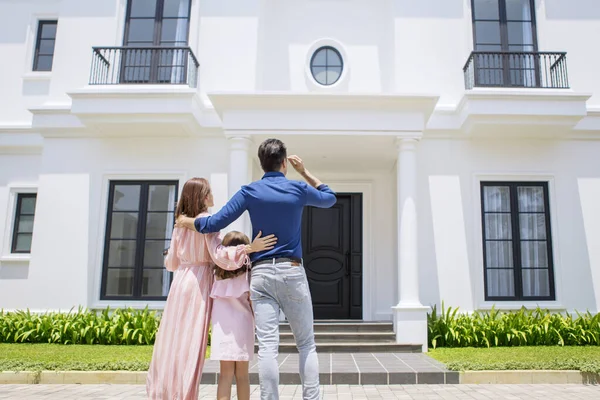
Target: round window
326	65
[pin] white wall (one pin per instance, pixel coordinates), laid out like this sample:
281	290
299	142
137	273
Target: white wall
451	259
17	173
246	45
71	209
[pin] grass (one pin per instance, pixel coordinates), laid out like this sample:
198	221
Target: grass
586	359
56	357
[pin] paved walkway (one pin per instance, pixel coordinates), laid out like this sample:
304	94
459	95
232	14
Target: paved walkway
335	392
354	369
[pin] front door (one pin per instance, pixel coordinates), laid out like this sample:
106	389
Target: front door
332	250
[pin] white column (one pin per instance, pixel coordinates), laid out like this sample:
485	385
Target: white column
410	316
239	175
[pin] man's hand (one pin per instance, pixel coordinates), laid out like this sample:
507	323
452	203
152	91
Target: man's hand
185	222
298	164
261	243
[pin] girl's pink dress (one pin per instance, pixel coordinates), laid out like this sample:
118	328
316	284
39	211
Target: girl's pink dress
232	320
180	345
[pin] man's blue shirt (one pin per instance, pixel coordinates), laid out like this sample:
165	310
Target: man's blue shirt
275	205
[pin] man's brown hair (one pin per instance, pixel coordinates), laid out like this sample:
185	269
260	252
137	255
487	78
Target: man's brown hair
233	238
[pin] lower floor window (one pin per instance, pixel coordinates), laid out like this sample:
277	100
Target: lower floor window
23	226
517	244
140	220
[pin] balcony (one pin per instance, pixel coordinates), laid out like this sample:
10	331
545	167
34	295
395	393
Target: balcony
144	65
541	70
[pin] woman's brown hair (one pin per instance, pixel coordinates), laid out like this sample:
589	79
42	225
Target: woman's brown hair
192	198
233	238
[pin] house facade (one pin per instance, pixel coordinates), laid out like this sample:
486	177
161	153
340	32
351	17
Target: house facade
462	138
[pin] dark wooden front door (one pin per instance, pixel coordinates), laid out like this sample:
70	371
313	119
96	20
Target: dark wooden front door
332	250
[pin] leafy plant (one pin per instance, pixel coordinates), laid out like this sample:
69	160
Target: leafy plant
524	327
118	327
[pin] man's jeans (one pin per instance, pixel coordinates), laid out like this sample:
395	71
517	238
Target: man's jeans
276	287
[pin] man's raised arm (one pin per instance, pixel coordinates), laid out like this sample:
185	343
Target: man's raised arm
318	194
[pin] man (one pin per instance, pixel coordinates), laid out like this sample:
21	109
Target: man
279	281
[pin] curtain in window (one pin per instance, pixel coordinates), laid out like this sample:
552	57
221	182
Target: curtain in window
529	79
534	245
179	56
531	241
498	235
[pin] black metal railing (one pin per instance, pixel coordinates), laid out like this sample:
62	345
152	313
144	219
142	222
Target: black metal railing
516	69
144	65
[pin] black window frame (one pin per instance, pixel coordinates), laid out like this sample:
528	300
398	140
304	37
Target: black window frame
503	20
38	41
18	215
326	66
504	45
155	55
140	239
516	241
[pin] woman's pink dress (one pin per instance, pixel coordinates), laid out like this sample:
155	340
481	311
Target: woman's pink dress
180	345
232	320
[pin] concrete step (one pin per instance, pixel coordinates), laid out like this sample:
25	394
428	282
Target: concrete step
345	326
344	337
352	347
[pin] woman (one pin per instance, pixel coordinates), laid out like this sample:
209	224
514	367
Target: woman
180	346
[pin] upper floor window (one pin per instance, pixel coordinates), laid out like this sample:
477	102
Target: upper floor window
517	244
157	23
505	42
326	65
504	25
138	229
23	226
44	46
150	24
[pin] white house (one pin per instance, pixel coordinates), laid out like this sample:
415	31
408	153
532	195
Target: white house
462	136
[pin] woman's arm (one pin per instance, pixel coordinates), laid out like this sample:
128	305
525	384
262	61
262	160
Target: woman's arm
172	260
235	257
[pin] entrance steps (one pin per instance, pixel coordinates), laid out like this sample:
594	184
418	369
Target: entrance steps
348	336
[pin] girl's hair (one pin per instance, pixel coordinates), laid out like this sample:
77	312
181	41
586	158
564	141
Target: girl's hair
233	238
192	198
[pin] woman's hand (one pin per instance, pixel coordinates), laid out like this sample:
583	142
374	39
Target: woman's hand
261	243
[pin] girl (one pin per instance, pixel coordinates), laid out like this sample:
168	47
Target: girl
232	341
181	340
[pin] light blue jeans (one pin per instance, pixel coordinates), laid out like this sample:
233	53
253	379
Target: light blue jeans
284	287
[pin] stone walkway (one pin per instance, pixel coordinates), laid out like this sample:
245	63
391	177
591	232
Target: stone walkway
334	392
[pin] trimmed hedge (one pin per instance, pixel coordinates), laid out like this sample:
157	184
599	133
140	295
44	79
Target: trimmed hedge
520	328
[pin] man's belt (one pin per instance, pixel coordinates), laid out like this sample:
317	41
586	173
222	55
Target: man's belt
293	260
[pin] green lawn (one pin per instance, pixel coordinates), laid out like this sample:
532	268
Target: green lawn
585	359
37	357
58	357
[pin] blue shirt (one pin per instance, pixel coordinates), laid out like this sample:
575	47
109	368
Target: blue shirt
275	205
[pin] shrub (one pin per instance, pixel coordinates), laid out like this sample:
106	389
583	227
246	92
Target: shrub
118	327
520	328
